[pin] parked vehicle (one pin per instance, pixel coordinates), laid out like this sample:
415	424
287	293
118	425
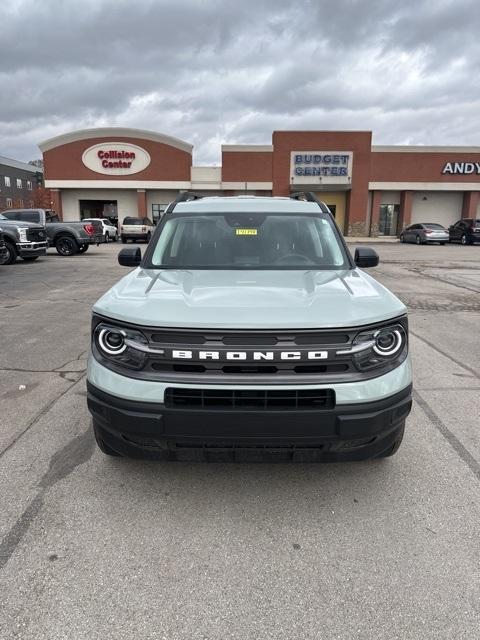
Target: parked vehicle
466	231
136	229
3	248
109	231
425	233
25	239
68	238
247	328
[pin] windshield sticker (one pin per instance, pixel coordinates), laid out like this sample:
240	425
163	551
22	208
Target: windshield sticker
245	232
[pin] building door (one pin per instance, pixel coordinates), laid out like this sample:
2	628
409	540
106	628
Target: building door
99	209
388	220
335	201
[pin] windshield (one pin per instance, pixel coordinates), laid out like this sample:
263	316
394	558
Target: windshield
248	241
2	217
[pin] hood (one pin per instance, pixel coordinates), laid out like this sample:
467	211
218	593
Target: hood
19	224
249	299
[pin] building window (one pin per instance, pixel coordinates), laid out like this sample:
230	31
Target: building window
7	181
157	211
20	203
9	203
31	204
19	183
388	221
29	185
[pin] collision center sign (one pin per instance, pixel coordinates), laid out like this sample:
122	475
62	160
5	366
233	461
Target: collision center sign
116	158
321	167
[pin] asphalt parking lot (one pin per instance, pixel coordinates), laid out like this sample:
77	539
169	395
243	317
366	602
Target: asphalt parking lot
97	548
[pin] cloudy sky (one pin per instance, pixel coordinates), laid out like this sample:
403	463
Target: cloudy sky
231	71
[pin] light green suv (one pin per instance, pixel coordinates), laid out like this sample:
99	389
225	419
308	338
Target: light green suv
247	331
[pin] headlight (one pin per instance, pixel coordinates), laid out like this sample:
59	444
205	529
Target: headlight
112	341
119	345
23	235
377	348
389	341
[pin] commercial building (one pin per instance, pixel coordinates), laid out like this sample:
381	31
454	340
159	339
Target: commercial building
372	190
18	182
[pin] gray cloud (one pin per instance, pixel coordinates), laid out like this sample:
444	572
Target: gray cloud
211	71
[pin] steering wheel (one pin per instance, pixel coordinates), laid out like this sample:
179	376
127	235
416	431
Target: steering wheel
294	258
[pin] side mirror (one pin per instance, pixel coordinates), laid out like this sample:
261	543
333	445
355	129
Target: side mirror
130	257
366	257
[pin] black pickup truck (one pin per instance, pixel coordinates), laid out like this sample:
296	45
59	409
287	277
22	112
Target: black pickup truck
3	248
25	239
68	238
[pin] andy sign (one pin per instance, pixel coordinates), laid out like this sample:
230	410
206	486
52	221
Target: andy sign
461	168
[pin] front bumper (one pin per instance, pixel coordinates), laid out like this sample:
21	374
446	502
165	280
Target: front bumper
347	432
26	249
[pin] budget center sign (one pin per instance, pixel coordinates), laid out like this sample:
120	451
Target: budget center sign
321	167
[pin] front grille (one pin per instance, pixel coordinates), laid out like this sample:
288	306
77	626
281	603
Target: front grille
250	399
249	341
36	235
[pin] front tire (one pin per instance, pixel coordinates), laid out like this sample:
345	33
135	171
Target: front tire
417	240
124	240
107	238
66	246
464	240
402	238
12	254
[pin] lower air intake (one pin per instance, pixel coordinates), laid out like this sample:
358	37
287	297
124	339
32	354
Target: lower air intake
248	399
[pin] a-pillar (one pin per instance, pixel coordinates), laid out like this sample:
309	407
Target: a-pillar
142	203
470	203
56	200
405	217
376	201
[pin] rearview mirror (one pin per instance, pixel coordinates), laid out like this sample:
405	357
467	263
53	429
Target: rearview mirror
130	257
366	257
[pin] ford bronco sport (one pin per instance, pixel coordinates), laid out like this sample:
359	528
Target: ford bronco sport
248	332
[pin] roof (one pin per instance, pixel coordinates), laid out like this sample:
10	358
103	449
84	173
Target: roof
113	132
16	164
247	203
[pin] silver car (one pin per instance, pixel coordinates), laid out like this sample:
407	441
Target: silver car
425	233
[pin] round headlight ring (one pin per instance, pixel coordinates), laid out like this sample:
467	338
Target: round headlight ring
112	341
393	342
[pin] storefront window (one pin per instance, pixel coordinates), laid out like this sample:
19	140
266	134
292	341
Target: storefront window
157	211
333	209
387	223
